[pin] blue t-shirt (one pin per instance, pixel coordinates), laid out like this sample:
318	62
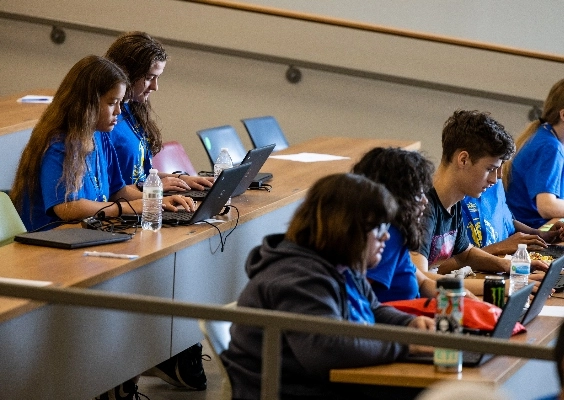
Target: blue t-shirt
537	168
102	178
394	277
487	219
133	151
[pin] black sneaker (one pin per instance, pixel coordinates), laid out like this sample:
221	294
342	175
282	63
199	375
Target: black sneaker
126	391
185	369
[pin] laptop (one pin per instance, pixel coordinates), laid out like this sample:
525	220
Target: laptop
543	292
252	179
211	204
71	238
503	329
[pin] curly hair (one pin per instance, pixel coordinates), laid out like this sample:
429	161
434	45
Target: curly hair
136	53
336	216
477	133
407	175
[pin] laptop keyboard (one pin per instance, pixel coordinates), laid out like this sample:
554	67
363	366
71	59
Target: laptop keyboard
559	285
171	217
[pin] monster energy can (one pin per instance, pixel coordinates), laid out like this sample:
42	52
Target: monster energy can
494	290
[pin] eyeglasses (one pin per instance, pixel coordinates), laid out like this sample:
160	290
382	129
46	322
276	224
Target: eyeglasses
380	232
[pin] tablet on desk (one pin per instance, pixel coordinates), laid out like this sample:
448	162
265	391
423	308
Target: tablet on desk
71	238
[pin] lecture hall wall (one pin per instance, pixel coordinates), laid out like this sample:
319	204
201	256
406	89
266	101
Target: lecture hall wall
201	88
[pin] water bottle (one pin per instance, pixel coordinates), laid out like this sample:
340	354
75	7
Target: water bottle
222	162
152	217
520	270
448	320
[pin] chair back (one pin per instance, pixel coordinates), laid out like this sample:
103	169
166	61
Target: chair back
173	158
214	139
264	131
10	222
218	336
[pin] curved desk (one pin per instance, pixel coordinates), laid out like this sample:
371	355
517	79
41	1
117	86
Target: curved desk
55	351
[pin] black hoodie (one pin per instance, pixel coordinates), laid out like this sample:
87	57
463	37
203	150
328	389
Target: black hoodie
287	277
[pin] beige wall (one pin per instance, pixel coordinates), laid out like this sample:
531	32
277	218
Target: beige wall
201	89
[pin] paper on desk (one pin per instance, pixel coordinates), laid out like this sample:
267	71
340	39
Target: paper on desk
24	282
33	98
552	311
309	157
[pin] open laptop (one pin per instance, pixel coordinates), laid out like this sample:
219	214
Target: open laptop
543	291
71	238
503	329
252	179
212	204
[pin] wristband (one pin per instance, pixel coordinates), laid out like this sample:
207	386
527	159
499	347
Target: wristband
139	185
120	210
179	175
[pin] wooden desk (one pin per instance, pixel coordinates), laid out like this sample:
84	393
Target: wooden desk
521	378
56	351
18	119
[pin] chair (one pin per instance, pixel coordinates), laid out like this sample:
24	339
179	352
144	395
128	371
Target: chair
264	131
218	336
214	139
173	158
11	224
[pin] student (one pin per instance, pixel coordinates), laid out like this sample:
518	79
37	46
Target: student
317	268
491	226
408	176
136	136
68	170
474	148
534	178
136	139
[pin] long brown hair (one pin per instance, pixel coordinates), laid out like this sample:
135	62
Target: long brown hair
71	118
550	113
136	53
337	214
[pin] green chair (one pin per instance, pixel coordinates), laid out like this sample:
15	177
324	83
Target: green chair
10	222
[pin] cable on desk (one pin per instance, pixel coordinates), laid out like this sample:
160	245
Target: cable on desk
223	240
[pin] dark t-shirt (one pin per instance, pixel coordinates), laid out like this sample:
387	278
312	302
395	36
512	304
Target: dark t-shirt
444	234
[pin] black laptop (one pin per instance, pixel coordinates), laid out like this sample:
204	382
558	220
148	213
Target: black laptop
503	329
252	179
212	203
71	238
543	291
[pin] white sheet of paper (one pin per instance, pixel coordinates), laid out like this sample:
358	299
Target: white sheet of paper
552	311
33	98
309	157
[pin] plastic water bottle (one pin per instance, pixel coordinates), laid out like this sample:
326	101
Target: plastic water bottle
152	217
222	162
448	320
520	269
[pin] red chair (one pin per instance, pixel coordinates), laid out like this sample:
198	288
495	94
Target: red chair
173	159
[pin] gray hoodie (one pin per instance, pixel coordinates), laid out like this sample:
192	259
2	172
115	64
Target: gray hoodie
287	277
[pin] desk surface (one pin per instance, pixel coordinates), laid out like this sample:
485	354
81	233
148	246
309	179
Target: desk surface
70	268
19	116
493	373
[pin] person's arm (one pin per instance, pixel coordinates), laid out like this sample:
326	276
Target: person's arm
181	182
549	206
480	260
82	208
427	286
509	245
135	197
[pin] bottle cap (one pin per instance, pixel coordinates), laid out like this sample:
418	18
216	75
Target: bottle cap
224	149
450	283
521	246
153	171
